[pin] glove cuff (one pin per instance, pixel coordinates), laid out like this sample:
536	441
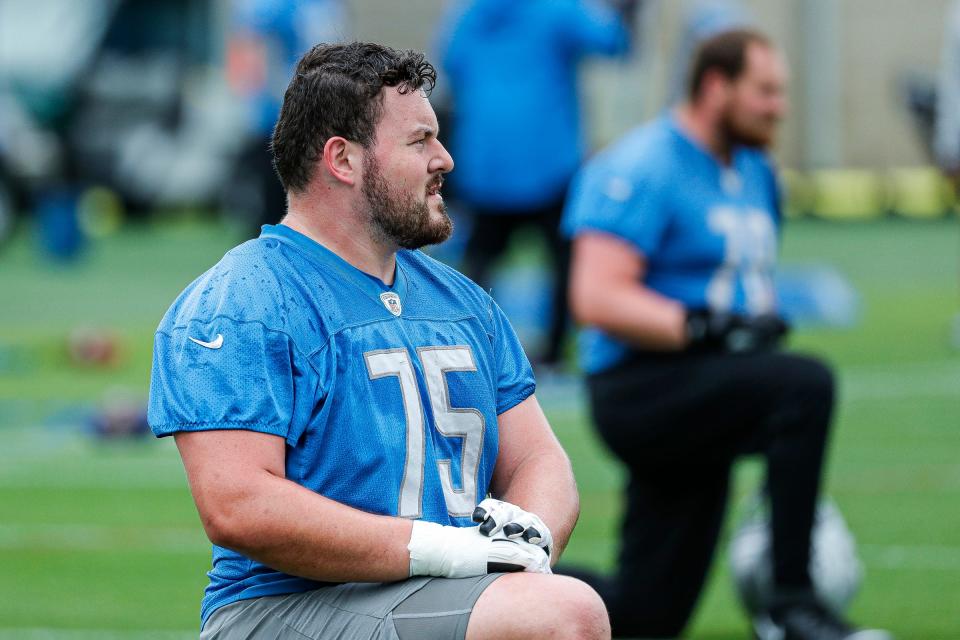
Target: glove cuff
426	538
450	552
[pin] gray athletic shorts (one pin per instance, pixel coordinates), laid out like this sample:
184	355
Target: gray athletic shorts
417	608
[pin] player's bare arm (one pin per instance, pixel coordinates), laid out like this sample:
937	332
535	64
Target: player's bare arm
534	473
606	291
246	504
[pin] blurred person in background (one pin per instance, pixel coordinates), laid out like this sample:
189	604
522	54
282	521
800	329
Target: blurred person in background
309	380
267	38
517	130
675	231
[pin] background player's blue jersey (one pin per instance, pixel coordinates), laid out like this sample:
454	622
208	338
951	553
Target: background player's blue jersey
708	232
387	397
483	44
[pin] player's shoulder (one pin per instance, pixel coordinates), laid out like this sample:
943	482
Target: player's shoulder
436	275
253	282
647	151
642	157
442	288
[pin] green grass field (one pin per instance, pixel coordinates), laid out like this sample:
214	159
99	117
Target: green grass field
101	540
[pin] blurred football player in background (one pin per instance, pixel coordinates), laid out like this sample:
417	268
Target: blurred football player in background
518	137
675	232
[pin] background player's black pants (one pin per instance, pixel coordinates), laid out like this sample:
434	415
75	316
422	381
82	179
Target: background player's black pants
492	230
677	422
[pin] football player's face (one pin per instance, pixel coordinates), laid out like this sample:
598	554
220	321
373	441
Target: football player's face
758	99
403	172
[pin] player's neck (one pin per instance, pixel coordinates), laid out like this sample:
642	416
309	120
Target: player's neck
703	129
342	234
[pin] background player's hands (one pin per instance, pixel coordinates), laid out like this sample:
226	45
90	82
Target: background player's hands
511	522
461	552
732	333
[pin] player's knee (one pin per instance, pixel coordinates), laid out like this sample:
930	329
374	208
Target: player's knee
583	614
810	380
521	606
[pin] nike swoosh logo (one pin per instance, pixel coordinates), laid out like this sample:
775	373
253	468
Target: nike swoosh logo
216	344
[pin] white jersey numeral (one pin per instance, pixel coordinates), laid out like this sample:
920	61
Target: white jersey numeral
450	422
750	247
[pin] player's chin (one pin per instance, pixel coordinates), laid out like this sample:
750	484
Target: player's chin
441	226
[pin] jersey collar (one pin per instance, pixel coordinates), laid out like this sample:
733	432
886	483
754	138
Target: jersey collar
736	153
324	257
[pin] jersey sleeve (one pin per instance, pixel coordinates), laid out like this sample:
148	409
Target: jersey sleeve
617	202
514	375
225	374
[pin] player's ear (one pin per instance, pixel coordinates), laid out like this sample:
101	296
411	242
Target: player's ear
342	159
714	87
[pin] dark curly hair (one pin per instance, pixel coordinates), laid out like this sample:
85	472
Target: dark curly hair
336	91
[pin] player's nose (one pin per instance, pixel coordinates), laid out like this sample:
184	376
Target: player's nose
442	160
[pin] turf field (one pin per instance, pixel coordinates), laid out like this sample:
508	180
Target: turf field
101	540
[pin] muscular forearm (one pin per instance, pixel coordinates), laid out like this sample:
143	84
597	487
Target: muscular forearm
607	292
635	314
297	531
246	504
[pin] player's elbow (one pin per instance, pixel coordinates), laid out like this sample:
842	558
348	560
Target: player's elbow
221	529
224	521
577	299
585	305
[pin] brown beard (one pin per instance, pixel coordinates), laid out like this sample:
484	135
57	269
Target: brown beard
400	218
738	135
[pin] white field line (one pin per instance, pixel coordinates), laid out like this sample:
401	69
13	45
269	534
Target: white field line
39	633
88	537
925	558
104	481
92	537
916	380
934	379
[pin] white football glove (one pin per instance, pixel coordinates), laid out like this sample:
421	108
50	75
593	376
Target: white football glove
461	552
512	522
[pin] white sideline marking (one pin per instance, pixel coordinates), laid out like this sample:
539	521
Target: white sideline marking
89	537
40	633
913	380
926	558
92	537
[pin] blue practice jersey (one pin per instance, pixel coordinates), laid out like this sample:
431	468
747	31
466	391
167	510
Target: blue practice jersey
387	397
708	232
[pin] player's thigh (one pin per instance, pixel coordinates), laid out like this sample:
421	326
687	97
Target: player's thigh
690	408
772	375
420	607
531	605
